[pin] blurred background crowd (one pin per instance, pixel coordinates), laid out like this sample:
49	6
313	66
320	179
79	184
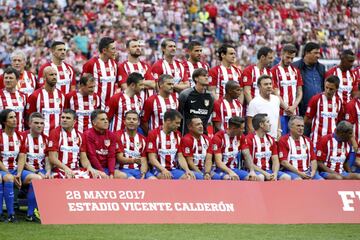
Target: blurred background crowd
32	25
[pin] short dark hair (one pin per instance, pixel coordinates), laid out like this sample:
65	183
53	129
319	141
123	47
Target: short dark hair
56	43
11	70
257	119
3	116
199	72
333	79
95	113
189	121
262	77
223	50
236	121
85	78
165	42
164	77
344	127
347	52
310	46
264	51
129	41
132	112
35	115
230	85
193	44
104	43
172	114
289	48
70	111
134	77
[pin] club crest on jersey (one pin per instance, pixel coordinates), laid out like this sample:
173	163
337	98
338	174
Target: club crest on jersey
107	142
150	145
281	154
245	79
206	102
215	148
187	150
50	143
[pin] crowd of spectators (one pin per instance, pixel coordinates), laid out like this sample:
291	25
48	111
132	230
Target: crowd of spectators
32	25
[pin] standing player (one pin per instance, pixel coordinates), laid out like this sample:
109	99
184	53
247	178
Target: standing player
264	151
100	146
225	72
348	82
194	62
10	98
65	72
297	153
133	64
83	101
250	75
227	146
27	80
168	65
131	152
64	148
130	99
47	100
104	70
333	153
12	167
228	106
288	84
163	150
325	110
156	105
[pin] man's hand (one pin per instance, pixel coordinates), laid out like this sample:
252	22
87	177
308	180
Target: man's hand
102	175
92	172
304	175
233	176
69	173
48	175
190	175
41	175
166	174
207	176
252	176
137	160
290	111
17	180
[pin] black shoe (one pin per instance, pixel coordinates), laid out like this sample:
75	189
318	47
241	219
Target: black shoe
32	218
12	219
2	218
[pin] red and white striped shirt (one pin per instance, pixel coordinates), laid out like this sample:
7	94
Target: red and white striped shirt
332	153
50	104
65	76
229	147
35	149
155	108
15	101
261	149
190	68
166	147
347	83
250	76
83	106
196	148
298	153
132	147
220	75
67	145
325	114
224	110
10	149
105	75
356	73
287	80
175	69
118	105
352	114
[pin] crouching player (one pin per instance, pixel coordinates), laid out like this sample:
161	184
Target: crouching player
162	149
296	152
332	153
64	148
227	146
11	168
131	151
263	150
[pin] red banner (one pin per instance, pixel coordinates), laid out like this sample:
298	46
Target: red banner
84	201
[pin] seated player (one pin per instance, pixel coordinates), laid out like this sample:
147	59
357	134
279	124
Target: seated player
227	147
296	152
195	146
64	149
33	148
163	150
131	151
11	168
263	150
333	153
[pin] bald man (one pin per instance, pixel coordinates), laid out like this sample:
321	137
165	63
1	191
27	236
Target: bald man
47	100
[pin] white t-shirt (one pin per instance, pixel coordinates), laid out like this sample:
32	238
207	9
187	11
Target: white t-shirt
271	108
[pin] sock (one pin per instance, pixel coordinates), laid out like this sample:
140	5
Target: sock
1	197
9	197
31	200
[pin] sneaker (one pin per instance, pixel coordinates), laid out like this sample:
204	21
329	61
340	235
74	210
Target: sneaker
2	218
37	213
32	218
12	219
